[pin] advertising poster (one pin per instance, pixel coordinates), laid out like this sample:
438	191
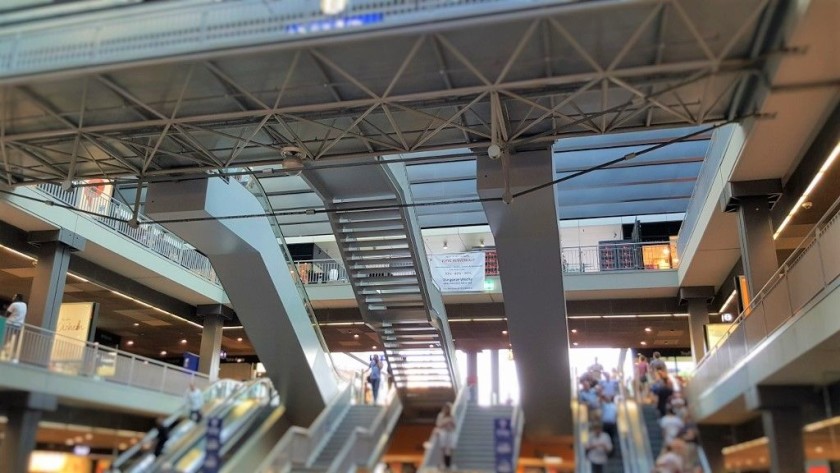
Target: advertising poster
72	332
458	272
503	440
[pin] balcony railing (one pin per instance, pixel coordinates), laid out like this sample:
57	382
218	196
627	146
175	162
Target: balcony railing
809	273
115	215
579	259
37	347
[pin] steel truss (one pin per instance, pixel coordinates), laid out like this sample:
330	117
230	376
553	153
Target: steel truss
516	114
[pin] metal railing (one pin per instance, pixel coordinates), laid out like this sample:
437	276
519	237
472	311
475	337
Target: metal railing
645	256
366	445
37	347
115	215
810	272
433	457
168	28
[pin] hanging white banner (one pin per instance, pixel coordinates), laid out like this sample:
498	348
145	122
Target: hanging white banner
458	272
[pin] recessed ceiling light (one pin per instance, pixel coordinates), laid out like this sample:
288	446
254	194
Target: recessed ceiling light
88	436
644	342
78	439
504	332
818	449
575	343
136	324
239	339
183	341
130	342
648	329
574	330
355	335
69	442
431	345
373	347
163	353
122	446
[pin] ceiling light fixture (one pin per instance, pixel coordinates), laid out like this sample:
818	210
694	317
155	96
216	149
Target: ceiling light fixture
504	332
234	327
136	324
373	347
804	198
239	339
644	343
16	252
648	329
728	300
574	330
130	342
355	335
183	341
163	353
575	343
481	243
445	245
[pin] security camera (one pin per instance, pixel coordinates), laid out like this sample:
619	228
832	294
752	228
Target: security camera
494	151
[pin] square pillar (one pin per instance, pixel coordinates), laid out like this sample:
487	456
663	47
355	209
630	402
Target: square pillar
472	374
494	376
54	249
782	418
697	298
211	338
23	413
752	201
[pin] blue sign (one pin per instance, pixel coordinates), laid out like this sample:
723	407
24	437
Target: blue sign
503	436
212	446
191	361
335	23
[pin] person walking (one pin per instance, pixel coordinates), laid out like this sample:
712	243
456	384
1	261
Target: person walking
609	417
445	430
598	448
375	375
15	318
195	401
162	436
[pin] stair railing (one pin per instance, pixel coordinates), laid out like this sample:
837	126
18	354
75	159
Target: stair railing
581	430
434	451
299	444
366	446
518	423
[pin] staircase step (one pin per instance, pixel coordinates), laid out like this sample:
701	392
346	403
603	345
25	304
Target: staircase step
404	262
375	237
369	216
381	281
369	255
352	227
403	270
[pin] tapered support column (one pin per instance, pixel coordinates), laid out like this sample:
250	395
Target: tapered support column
752	201
47	291
527	237
714	438
23	413
697	299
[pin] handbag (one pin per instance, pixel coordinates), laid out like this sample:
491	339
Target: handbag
369	380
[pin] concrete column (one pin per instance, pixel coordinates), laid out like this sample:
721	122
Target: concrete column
758	250
786	443
214	316
472	374
50	275
23	413
211	346
782	419
527	237
697	298
752	200
713	439
494	376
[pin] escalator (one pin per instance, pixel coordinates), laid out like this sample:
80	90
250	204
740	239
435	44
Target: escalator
139	457
242	413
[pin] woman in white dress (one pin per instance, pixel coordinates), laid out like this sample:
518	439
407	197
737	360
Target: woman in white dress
445	428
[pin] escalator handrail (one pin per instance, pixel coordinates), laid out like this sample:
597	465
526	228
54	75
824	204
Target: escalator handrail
210	394
299	444
373	440
518	423
459	411
636	450
199	432
581	430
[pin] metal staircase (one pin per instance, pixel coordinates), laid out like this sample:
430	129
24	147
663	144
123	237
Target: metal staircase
380	243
